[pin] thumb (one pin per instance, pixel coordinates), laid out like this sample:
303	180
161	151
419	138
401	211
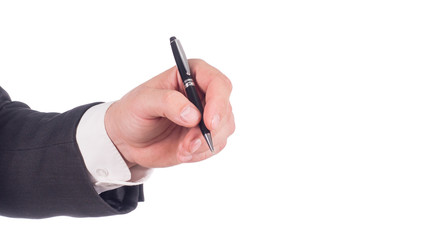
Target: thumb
170	104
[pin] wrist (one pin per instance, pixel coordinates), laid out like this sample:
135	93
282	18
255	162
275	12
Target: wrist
113	132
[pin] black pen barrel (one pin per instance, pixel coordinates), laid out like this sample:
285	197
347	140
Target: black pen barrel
179	62
193	97
190	86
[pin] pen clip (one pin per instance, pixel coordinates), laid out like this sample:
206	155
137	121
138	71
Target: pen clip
183	57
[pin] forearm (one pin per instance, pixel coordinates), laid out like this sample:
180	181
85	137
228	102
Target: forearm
107	168
42	172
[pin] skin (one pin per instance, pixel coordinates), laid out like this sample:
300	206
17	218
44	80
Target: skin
155	125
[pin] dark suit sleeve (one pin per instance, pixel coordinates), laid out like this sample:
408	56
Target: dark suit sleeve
42	172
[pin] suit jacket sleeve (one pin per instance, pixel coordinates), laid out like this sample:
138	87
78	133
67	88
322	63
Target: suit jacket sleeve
42	173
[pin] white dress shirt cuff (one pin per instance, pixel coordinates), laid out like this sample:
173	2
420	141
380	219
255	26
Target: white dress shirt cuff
106	166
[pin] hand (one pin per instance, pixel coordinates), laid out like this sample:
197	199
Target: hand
155	125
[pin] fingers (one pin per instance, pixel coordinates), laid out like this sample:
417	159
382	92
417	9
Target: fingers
214	84
194	147
170	104
163	97
217	88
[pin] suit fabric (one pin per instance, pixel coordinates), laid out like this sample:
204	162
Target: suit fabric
42	172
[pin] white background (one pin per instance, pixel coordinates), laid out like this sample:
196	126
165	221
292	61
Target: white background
329	98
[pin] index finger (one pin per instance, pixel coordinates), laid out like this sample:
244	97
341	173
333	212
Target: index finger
217	88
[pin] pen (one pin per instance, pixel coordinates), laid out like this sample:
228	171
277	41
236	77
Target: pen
189	85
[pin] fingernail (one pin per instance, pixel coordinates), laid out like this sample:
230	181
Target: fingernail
215	121
189	115
195	145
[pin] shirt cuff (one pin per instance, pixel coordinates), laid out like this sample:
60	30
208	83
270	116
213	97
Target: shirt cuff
106	166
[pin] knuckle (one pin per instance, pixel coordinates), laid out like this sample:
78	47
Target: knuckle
169	97
228	83
232	128
198	60
218	75
232	124
196	63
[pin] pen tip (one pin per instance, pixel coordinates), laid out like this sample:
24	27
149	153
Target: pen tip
208	138
172	39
